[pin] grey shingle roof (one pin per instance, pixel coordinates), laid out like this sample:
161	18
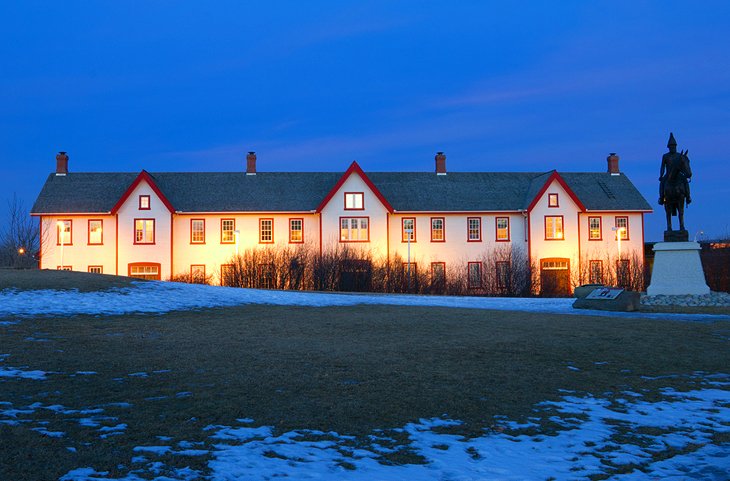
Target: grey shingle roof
304	191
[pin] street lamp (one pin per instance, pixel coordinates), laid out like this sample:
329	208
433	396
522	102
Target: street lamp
21	251
619	234
62	234
408	238
236	234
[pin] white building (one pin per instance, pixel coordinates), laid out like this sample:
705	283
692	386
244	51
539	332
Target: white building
571	226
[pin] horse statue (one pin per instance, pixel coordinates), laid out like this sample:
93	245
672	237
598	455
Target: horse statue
675	192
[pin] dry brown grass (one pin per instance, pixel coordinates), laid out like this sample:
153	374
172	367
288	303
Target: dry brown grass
347	369
32	279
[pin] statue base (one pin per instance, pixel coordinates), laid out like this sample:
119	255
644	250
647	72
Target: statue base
677	270
676	236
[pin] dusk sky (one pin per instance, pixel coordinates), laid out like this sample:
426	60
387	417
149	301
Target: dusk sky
497	86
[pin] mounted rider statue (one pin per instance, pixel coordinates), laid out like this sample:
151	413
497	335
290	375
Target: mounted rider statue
674	179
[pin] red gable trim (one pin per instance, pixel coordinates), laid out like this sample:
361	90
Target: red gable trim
355	169
143	176
556	176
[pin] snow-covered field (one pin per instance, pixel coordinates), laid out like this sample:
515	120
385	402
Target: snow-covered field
160	297
626	438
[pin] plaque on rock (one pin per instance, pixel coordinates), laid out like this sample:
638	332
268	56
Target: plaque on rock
605	293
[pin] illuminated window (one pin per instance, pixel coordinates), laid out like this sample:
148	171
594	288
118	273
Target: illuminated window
63	232
354	229
96	232
408	230
296	231
63	268
437	229
197	231
228	227
503	274
553	200
595	274
354	201
266	231
145	271
96	269
474	275
554	227
474	229
144	231
502	228
144	202
594	228
622	223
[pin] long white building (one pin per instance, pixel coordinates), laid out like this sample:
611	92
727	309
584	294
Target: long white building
156	225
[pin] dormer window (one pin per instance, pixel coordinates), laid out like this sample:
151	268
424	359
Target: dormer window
144	202
354	201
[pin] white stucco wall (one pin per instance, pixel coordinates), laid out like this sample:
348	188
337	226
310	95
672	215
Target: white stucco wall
79	255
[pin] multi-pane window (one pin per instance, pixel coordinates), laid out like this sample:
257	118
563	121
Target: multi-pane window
354	229
437	229
266	276
227	273
474	275
622	227
144	231
95	232
144	202
64	268
438	274
228	228
354	201
595	274
266	231
96	269
410	268
197	231
502	228
296	231
503	272
63	232
553	200
474	229
408	232
145	271
594	228
197	273
554	227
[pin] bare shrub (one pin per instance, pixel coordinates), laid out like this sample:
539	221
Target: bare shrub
20	237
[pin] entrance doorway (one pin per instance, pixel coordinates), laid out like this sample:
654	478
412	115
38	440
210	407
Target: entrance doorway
554	277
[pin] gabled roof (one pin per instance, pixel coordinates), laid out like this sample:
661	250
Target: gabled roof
354	169
554	177
142	177
306	191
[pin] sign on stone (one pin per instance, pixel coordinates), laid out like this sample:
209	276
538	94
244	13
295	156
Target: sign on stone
605	293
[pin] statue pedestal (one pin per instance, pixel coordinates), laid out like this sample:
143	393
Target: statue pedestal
677	270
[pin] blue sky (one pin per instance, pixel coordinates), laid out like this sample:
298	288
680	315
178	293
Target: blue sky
528	86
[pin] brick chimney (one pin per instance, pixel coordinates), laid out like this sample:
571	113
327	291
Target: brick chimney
613	164
61	163
251	163
440	163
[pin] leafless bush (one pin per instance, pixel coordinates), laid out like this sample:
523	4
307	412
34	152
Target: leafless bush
19	239
630	273
191	278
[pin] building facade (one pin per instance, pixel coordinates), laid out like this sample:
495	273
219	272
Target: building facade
570	227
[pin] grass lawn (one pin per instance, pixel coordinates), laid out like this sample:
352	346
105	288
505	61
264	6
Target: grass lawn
344	369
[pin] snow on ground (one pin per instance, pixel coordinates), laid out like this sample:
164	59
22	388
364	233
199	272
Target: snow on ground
671	439
161	297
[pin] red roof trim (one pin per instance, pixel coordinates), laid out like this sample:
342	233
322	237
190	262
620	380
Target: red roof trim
553	177
143	176
355	169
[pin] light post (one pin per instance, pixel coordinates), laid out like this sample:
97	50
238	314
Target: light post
699	235
62	234
236	234
408	238
619	234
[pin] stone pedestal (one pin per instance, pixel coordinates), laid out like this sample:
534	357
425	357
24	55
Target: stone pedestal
677	270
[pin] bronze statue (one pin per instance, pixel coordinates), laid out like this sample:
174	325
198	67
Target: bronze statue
674	178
